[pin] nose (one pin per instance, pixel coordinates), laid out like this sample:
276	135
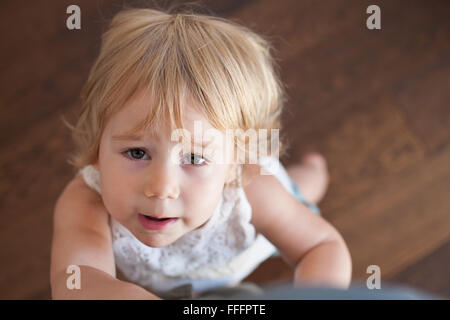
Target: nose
162	182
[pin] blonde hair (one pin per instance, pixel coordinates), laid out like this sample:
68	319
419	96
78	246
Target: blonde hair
225	67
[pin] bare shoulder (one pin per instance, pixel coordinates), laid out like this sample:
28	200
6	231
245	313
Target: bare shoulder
79	202
81	232
291	226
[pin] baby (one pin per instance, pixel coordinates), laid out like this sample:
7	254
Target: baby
180	219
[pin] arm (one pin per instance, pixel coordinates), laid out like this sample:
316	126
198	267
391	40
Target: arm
327	264
81	236
305	240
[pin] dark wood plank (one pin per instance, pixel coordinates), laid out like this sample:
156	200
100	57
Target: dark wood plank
428	273
400	220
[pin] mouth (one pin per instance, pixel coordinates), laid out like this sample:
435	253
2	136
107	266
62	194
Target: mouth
152	223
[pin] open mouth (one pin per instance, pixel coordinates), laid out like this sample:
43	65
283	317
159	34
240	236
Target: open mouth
152	223
156	219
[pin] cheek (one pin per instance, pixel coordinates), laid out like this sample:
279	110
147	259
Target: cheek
199	205
213	174
202	191
114	194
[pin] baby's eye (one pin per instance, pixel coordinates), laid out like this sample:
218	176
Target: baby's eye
194	159
135	153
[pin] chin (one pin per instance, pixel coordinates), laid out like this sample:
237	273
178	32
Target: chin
157	240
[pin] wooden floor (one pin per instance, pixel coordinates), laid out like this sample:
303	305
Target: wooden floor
375	103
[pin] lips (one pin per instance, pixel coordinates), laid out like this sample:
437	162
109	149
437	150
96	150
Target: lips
152	223
153	216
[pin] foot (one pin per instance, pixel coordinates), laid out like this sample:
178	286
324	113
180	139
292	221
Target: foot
311	176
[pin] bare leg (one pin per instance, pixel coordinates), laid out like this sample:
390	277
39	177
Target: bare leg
311	176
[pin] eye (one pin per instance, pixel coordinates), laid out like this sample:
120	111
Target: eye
194	159
135	153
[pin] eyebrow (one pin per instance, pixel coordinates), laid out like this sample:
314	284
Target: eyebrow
126	137
137	137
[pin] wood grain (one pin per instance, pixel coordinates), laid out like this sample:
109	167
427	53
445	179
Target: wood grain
375	103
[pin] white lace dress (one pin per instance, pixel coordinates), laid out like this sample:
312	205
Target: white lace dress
222	252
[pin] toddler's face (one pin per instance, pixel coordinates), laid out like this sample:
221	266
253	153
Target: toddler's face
140	180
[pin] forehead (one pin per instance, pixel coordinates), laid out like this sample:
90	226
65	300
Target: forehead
124	122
